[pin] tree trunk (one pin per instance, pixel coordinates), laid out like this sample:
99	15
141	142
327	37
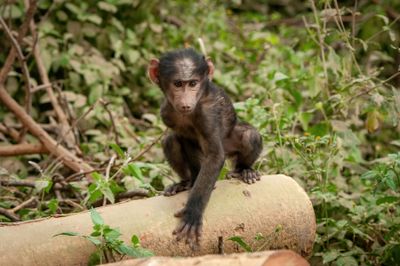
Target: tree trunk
276	208
265	258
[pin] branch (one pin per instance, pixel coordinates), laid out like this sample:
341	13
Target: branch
23	204
114	127
22	149
9	131
65	127
9	214
21	34
25	74
69	159
17	183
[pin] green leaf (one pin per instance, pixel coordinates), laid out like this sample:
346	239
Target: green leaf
112	235
279	76
118	150
384	19
134	252
373	121
94	193
134	170
95	19
97	177
390	182
346	261
108	193
330	256
107	7
94	240
96	91
53	205
238	240
96	218
67	234
43	185
387	199
135	240
259	236
94	258
369	175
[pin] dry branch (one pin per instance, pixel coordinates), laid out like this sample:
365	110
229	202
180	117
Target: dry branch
69	159
9	214
9	131
265	258
276	207
22	149
21	34
17	183
66	132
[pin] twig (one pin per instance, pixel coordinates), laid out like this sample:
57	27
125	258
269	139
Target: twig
395	19
202	46
24	67
23	204
342	29
140	154
148	147
133	193
64	103
22	149
69	138
321	45
40	87
9	131
21	34
221	245
114	128
25	74
12	216
174	21
130	132
17	183
73	204
374	87
107	176
76	121
353	22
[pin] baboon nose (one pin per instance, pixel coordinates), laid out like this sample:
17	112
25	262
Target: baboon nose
186	108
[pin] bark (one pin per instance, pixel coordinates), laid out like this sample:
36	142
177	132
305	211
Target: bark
266	258
22	149
276	207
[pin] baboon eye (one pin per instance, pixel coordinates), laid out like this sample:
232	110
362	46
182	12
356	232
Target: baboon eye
192	83
178	83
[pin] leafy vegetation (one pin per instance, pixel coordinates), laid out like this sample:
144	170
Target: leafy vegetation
107	242
318	79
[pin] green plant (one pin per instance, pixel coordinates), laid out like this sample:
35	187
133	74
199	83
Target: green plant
259	241
385	175
108	244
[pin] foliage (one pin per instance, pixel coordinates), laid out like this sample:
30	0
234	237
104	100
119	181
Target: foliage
107	242
321	88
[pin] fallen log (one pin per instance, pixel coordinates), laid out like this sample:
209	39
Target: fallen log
265	258
275	207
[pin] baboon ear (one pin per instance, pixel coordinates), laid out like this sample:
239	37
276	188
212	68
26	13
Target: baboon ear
152	71
210	68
